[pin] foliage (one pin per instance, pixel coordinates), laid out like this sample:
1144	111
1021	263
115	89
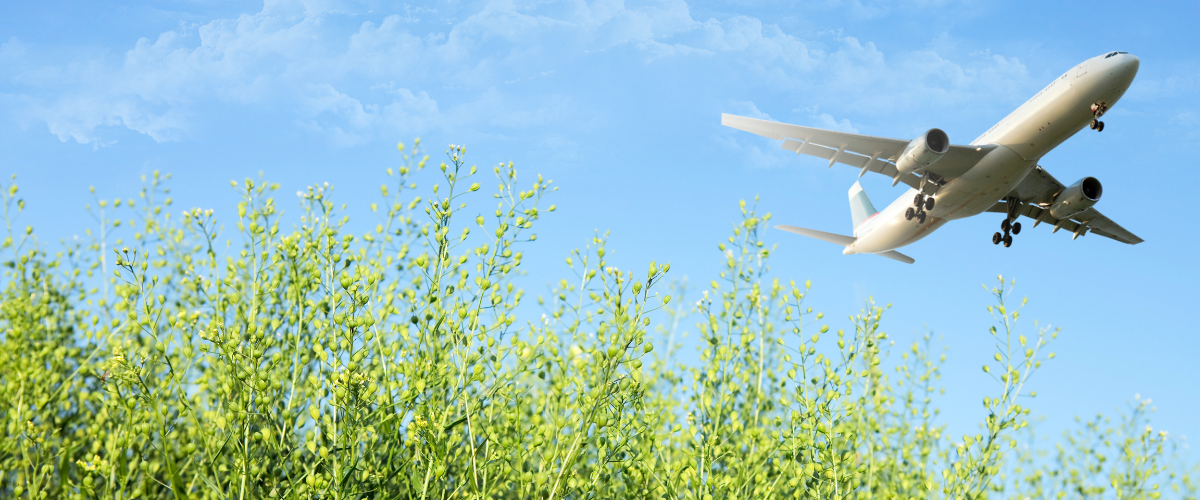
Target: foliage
315	363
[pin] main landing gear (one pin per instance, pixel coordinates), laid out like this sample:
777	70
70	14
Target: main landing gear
921	203
1007	225
1098	110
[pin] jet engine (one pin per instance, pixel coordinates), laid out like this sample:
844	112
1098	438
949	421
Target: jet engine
923	151
1078	197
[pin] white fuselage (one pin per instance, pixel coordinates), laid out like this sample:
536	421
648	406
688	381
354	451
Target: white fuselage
1021	138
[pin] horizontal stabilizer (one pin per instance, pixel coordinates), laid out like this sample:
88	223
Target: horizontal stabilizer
894	255
843	241
820	235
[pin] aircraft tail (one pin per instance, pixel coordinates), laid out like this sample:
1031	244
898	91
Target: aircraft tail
861	208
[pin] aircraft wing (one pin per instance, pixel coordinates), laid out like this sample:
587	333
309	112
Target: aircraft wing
1037	191
865	152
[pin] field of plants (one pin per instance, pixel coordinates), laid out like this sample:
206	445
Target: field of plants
172	354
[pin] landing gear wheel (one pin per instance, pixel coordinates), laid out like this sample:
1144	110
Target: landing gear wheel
929	204
918	200
1092	125
1005	225
996	238
921	217
1016	228
908	214
1099	126
1007	241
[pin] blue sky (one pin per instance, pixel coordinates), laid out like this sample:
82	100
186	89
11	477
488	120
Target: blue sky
620	104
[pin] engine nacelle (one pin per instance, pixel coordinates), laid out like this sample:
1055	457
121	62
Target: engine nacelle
923	151
1078	197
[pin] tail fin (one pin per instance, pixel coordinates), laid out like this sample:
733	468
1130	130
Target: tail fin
861	208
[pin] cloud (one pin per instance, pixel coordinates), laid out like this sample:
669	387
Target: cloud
353	77
349	122
747	108
12	50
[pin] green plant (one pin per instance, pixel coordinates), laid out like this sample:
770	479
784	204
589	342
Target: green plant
166	357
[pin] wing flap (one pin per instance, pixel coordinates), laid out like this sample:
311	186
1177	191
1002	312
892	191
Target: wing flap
847	157
1104	226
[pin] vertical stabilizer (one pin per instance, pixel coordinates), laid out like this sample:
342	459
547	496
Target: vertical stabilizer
860	206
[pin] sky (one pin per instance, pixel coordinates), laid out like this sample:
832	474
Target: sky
619	103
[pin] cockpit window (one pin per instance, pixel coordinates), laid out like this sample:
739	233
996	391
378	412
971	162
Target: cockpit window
1113	54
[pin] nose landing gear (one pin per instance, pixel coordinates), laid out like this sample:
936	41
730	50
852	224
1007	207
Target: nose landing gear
1098	110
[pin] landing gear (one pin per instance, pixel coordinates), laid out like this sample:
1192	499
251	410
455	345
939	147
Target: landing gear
921	203
1098	110
1007	225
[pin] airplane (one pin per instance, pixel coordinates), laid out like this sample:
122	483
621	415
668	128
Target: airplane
997	172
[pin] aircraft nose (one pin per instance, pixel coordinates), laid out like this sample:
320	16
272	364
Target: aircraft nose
1127	67
1130	64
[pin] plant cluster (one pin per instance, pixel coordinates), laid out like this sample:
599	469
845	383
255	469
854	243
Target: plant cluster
193	362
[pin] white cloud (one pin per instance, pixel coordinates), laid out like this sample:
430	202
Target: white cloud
12	50
349	122
353	81
747	108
